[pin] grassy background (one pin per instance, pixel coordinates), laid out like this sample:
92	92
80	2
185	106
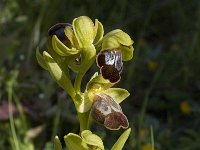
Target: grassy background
163	77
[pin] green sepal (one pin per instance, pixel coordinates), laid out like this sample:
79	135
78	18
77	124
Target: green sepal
57	144
111	33
75	142
121	141
41	60
92	139
82	103
84	31
110	43
61	48
98	82
99	31
121	36
117	94
117	39
60	60
58	74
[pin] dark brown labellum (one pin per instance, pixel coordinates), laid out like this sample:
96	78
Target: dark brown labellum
107	112
111	65
58	30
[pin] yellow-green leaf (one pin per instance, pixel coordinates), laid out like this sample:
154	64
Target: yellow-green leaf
57	144
121	141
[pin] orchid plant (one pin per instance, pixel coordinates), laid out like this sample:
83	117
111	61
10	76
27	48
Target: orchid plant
76	47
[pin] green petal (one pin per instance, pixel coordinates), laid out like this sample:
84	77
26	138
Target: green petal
57	73
57	144
121	141
99	31
84	31
52	52
41	60
74	142
92	139
127	52
98	82
71	36
61	49
117	94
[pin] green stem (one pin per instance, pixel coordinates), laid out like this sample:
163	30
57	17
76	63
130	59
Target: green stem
56	120
84	120
10	84
12	126
152	138
77	84
88	56
21	111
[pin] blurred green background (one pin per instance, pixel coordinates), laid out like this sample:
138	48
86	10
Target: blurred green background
163	77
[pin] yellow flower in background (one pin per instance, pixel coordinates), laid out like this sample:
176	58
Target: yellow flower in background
152	65
147	147
185	107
